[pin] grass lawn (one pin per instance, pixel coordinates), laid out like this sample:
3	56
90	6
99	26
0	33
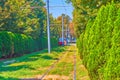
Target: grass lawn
65	67
37	63
29	65
66	64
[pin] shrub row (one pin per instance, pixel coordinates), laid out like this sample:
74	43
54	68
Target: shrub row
18	44
99	45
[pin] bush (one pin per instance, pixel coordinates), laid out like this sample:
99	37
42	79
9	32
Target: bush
6	43
99	45
18	44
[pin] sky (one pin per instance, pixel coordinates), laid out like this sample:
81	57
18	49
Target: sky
57	10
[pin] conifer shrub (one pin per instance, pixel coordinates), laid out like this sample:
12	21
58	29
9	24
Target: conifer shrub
54	42
99	45
18	44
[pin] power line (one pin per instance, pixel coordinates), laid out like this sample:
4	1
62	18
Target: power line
66	10
63	6
60	6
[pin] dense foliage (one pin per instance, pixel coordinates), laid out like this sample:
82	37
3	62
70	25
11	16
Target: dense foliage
23	27
23	16
85	10
27	17
18	44
99	44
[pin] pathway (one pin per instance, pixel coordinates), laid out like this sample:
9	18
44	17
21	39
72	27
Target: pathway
68	67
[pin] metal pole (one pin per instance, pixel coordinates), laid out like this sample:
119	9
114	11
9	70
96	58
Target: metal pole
67	34
48	26
74	65
62	29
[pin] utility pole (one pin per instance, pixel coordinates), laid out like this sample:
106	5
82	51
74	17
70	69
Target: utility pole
63	29
66	31
48	26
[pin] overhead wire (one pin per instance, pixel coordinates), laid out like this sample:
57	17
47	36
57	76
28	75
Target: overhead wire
64	6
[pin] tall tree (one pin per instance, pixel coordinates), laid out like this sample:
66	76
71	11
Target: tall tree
85	10
59	23
23	16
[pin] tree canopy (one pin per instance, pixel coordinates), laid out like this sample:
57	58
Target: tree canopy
21	16
85	10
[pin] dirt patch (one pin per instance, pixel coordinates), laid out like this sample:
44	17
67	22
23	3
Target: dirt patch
53	77
48	77
82	67
85	78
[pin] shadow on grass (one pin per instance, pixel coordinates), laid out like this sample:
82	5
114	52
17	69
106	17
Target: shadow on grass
59	50
48	57
14	68
30	58
42	55
9	78
71	50
37	57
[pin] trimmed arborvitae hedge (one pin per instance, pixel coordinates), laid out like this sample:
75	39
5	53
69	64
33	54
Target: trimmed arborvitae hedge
18	44
99	45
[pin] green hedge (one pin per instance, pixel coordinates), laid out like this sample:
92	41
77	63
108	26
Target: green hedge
18	44
53	41
99	45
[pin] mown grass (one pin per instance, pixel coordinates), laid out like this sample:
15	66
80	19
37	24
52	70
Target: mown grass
66	66
29	65
81	71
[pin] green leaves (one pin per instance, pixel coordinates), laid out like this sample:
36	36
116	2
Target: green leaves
99	45
85	10
20	16
18	44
